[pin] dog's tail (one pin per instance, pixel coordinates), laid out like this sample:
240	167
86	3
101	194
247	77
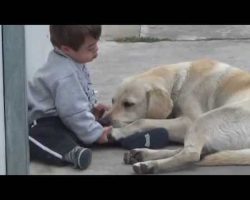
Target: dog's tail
231	157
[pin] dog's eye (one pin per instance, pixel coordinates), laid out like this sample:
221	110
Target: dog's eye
128	104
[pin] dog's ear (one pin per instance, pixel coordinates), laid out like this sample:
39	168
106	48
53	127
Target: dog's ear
159	103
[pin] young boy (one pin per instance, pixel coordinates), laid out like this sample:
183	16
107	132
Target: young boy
62	109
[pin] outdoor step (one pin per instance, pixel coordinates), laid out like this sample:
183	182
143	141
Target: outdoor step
177	32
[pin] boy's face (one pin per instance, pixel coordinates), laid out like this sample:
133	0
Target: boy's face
86	53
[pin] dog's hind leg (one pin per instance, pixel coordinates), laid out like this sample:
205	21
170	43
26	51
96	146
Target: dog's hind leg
144	154
189	154
194	141
230	157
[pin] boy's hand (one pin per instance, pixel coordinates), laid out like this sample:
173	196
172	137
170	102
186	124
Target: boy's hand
102	106
99	110
104	137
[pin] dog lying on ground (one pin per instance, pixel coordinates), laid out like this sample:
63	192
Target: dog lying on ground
203	104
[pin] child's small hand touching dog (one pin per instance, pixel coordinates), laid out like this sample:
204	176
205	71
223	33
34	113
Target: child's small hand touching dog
99	110
104	137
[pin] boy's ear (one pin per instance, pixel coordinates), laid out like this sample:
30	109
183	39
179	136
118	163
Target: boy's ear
160	104
65	49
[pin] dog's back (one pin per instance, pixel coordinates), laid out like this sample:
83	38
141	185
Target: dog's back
205	84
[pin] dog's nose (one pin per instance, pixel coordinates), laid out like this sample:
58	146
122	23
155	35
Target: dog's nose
105	121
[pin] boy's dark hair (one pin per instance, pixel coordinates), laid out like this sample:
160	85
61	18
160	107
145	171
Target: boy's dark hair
73	35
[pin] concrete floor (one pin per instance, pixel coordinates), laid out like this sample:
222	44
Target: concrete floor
119	60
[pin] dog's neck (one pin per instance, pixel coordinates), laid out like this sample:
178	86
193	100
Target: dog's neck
178	82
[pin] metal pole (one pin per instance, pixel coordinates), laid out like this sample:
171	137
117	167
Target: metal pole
15	98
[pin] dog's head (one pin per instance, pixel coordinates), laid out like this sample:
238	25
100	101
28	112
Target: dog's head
140	98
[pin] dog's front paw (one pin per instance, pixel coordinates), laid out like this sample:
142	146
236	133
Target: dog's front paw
115	135
148	167
134	156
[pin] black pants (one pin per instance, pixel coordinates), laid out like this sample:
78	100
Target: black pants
50	140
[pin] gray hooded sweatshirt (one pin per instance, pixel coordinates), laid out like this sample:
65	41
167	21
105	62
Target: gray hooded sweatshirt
62	88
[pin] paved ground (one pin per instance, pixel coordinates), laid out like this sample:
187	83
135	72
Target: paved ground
119	60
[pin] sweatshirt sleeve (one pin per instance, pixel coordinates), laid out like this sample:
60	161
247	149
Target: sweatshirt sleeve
73	108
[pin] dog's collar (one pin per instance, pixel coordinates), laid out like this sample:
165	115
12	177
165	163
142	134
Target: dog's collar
178	83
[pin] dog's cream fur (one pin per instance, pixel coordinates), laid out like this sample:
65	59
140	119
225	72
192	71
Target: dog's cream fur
204	104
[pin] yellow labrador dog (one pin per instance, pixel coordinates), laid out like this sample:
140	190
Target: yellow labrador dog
204	104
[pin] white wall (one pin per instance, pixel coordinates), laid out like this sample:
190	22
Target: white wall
37	46
2	127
